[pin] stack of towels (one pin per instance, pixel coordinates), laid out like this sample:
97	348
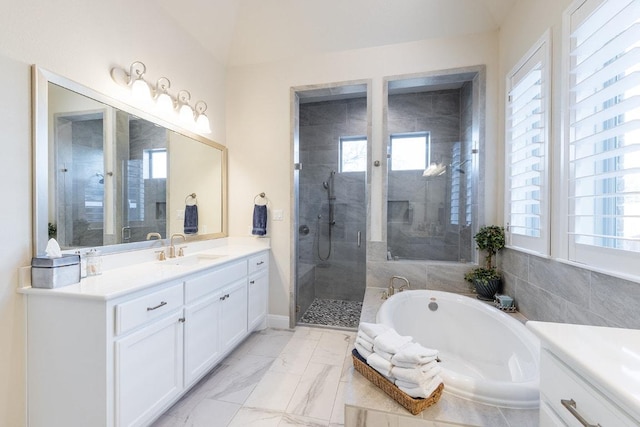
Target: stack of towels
410	366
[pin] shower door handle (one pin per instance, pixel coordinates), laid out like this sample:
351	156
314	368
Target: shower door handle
359	238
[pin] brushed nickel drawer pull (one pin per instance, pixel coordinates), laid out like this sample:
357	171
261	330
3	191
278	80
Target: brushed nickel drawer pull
570	404
260	263
157	306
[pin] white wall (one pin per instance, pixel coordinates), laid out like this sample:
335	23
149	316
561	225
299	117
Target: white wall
80	40
258	128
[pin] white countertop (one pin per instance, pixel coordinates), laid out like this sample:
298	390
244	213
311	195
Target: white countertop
124	279
608	357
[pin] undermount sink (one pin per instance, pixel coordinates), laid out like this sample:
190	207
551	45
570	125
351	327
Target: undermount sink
192	259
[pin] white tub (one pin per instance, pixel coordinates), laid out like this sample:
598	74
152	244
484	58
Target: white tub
486	355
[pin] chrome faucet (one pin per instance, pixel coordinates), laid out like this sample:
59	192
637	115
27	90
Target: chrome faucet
156	235
172	247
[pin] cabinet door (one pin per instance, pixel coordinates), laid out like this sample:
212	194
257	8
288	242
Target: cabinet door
148	370
258	295
233	314
201	340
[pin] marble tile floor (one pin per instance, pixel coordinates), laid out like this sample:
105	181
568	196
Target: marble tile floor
329	312
274	378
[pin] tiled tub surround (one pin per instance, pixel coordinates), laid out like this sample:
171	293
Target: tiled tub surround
366	405
552	291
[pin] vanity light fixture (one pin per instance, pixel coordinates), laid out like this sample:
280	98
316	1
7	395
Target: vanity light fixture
143	94
202	121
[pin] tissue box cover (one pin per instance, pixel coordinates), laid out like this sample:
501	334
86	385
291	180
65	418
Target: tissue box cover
52	273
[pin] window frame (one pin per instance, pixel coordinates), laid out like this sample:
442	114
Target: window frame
619	262
342	139
420	134
540	52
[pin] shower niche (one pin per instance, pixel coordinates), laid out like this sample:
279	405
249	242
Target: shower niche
432	133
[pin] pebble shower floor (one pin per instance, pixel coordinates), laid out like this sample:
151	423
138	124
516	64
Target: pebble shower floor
333	312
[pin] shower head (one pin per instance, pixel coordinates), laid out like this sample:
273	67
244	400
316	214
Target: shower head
325	184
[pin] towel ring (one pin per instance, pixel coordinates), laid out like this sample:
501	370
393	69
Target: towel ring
260	197
191	196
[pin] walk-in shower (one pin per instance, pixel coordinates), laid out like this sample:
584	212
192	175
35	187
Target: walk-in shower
331	199
432	174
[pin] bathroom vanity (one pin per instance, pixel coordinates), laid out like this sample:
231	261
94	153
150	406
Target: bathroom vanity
119	349
589	375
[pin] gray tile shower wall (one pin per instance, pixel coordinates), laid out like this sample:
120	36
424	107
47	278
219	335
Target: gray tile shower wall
428	217
322	124
548	290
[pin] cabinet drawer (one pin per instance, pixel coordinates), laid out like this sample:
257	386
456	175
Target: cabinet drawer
558	382
258	262
210	281
134	313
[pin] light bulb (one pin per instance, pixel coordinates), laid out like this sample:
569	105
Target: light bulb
202	124
140	91
186	114
164	103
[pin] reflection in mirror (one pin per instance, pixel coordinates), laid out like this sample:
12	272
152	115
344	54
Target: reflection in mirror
110	176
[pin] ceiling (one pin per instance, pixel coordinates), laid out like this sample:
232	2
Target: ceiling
241	32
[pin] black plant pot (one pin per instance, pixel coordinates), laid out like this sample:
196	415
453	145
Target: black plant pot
486	290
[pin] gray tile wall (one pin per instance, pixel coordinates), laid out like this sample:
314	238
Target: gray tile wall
552	291
322	124
419	209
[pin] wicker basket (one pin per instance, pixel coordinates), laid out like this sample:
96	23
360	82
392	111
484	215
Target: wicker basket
411	404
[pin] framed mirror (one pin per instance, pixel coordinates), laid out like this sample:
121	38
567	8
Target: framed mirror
109	176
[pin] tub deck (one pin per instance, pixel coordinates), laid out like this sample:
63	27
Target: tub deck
365	403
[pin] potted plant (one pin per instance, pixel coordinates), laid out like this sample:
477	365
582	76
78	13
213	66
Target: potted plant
486	279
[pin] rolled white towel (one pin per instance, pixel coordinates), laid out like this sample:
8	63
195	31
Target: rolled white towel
379	364
365	344
372	329
416	375
423	391
390	341
365	337
414	353
362	351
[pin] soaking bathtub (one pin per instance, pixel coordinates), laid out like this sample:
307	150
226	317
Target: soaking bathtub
486	355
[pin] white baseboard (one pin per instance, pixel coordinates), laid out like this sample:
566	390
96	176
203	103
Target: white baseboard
278	322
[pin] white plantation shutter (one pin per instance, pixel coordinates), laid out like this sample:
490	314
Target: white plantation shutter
603	40
527	138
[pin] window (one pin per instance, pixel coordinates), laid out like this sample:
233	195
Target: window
353	154
603	133
155	163
527	135
409	151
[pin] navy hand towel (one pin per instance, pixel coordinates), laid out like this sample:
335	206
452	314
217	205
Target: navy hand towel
191	219
259	220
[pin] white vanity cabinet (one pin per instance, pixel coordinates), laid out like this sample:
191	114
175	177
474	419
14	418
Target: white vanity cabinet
97	357
210	321
258	290
585	375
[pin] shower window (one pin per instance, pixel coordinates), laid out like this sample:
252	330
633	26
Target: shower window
410	151
353	154
155	164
